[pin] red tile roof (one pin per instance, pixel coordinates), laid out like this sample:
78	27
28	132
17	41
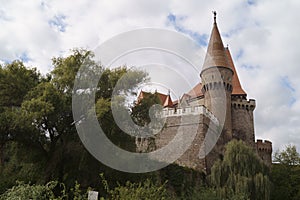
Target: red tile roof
236	85
166	100
196	91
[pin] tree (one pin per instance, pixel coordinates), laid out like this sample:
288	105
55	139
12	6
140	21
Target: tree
15	82
38	121
66	68
140	111
285	174
241	172
289	156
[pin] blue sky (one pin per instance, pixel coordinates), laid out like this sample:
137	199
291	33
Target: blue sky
176	22
263	38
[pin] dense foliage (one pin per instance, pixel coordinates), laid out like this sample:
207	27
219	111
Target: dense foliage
52	190
42	157
285	174
241	172
38	139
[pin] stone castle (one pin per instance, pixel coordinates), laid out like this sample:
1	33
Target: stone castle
219	101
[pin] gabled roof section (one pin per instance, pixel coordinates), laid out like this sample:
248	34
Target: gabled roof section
196	91
236	85
165	100
215	55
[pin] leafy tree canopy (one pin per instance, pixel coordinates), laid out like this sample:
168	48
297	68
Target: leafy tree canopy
289	156
15	81
285	174
241	172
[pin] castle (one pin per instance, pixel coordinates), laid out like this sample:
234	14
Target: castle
218	100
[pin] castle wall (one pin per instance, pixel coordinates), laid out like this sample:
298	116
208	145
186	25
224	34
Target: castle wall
242	120
191	126
264	150
190	158
192	123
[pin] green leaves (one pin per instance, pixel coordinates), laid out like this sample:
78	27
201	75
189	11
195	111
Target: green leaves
289	156
65	69
43	100
136	191
285	174
241	172
24	191
15	81
36	113
140	111
102	107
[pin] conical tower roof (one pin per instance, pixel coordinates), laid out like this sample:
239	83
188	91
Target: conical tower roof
236	85
215	55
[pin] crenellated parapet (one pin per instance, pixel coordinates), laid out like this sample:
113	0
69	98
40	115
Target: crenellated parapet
264	150
264	146
192	110
243	104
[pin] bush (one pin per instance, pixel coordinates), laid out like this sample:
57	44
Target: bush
136	191
52	190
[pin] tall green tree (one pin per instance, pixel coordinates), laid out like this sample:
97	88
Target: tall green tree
116	88
15	82
241	172
285	174
36	119
289	156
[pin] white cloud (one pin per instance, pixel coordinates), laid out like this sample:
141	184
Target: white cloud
266	32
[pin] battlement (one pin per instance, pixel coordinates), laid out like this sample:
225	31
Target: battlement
264	146
193	110
243	104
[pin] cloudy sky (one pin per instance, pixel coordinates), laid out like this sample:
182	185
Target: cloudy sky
263	37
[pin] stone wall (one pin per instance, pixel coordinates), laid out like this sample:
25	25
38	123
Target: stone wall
242	121
264	150
190	126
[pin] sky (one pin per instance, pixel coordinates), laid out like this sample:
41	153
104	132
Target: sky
263	37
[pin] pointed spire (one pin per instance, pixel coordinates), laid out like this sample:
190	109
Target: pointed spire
215	17
236	85
215	55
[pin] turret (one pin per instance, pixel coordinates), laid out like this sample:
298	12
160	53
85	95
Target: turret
264	150
216	78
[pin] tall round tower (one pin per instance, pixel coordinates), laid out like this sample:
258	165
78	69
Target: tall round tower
216	78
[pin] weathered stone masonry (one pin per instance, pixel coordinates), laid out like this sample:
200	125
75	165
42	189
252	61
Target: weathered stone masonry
203	109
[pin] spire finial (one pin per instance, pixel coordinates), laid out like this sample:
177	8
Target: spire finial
215	16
